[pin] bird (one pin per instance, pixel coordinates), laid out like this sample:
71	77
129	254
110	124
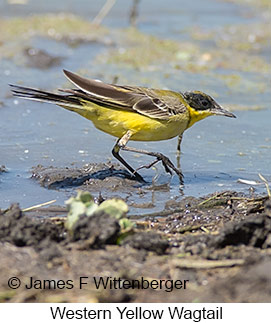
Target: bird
131	113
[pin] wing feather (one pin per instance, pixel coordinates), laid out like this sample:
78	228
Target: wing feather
138	99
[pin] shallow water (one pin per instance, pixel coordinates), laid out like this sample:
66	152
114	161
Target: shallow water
215	152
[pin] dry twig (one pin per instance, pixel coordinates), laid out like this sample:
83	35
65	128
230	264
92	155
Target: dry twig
38	206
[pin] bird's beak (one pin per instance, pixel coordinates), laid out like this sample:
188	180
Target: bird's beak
217	109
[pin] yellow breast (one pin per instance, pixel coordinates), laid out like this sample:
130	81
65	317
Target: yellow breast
117	122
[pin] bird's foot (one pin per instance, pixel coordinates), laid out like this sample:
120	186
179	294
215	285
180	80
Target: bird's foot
166	162
168	165
138	177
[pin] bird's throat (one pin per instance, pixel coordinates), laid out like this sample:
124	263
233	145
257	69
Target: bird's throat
196	115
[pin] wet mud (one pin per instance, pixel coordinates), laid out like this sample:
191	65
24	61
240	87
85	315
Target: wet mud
220	244
92	177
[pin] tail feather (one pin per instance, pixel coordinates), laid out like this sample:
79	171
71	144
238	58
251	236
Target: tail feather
68	101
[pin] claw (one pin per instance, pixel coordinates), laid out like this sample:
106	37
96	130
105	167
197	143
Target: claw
167	169
168	164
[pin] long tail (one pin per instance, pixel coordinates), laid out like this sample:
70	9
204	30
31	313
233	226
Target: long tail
72	101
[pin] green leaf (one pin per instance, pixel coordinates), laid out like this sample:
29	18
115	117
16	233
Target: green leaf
126	224
84	204
114	207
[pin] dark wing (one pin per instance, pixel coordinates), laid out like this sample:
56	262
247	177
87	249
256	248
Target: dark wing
139	99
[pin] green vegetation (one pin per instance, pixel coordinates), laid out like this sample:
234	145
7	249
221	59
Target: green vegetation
140	50
54	26
84	205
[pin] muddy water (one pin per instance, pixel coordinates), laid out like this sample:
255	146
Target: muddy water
215	152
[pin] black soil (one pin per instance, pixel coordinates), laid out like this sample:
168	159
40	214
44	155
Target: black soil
220	244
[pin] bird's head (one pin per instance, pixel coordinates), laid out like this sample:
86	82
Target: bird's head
201	105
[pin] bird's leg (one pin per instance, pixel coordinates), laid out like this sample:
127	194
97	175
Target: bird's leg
179	150
148	166
165	160
179	144
120	144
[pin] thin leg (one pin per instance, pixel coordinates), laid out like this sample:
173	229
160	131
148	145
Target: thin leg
180	138
179	150
120	144
165	160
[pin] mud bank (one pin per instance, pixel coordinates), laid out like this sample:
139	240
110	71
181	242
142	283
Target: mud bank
220	245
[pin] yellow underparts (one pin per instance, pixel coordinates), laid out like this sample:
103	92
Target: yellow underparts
117	122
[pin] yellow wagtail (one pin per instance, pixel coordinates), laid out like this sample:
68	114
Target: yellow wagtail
132	113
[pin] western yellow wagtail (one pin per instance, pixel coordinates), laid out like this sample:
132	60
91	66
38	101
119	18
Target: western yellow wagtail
132	113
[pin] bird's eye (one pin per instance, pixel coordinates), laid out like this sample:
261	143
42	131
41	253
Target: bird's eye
204	103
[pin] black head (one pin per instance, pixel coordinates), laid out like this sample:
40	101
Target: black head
204	103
